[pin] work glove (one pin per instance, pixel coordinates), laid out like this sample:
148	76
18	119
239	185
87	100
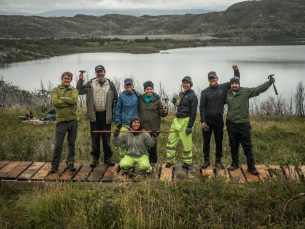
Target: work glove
116	133
154	134
271	79
188	131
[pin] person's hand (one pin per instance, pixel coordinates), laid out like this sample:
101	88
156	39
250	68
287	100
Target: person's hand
234	66
271	78
119	126
81	75
188	131
116	133
203	125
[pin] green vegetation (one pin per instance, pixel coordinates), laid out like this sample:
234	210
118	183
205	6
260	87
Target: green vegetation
152	204
26	49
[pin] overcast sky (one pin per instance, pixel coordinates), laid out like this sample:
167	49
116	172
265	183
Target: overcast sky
37	6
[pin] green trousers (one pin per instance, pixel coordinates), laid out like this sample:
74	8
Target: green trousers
143	162
179	125
122	149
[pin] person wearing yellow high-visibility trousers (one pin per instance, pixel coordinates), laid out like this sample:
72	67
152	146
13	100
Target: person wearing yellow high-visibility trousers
182	125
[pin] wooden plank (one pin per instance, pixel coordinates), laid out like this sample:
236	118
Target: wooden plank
97	173
166	173
83	173
276	172
110	173
249	177
208	173
55	176
43	172
68	175
302	168
9	167
237	175
155	172
14	173
223	173
179	172
3	163
30	171
290	173
263	172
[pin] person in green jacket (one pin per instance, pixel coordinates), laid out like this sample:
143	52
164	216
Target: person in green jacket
136	145
64	99
238	122
151	110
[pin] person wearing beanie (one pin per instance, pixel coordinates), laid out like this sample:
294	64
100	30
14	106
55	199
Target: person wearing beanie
136	145
64	99
238	122
211	107
182	125
126	108
151	110
101	98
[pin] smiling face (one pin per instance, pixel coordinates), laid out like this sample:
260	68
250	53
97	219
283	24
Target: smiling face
66	80
136	125
100	74
129	87
149	91
213	80
235	86
186	85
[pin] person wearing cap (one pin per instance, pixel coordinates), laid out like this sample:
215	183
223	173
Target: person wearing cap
183	124
211	107
126	108
151	110
136	145
238	122
101	98
64	99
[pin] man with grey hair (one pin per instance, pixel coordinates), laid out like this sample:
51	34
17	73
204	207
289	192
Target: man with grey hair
101	100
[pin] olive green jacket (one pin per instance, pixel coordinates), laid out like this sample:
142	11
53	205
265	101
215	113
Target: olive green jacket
64	99
238	103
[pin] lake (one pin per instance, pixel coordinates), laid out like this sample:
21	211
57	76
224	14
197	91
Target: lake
170	66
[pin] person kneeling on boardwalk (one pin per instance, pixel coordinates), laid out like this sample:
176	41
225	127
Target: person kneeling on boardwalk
136	145
238	122
182	125
64	99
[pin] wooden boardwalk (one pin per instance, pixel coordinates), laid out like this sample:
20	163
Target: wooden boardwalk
25	172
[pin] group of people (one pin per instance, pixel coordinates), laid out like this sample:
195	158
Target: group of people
138	117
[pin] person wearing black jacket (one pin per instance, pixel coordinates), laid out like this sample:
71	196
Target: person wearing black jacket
182	125
212	102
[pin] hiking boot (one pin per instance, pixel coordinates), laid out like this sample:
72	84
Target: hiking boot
219	164
168	165
253	171
186	166
109	162
233	167
70	167
206	164
94	163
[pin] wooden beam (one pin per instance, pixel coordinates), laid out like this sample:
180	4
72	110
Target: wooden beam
83	173
302	168
223	173
237	175
97	173
249	177
55	176
208	173
3	163
290	173
263	173
276	172
31	171
166	173
43	172
68	175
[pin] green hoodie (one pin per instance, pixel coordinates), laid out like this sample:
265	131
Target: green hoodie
238	103
64	99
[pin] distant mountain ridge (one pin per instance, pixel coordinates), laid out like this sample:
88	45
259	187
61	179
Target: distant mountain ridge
249	20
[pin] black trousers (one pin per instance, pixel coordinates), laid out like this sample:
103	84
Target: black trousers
152	151
100	124
62	128
240	134
215	124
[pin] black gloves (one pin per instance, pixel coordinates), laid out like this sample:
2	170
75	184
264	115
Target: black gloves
188	131
119	126
271	79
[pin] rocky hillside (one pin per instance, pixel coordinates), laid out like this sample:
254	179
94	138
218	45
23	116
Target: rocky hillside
249	20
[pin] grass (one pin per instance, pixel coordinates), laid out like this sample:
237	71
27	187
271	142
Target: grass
153	204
